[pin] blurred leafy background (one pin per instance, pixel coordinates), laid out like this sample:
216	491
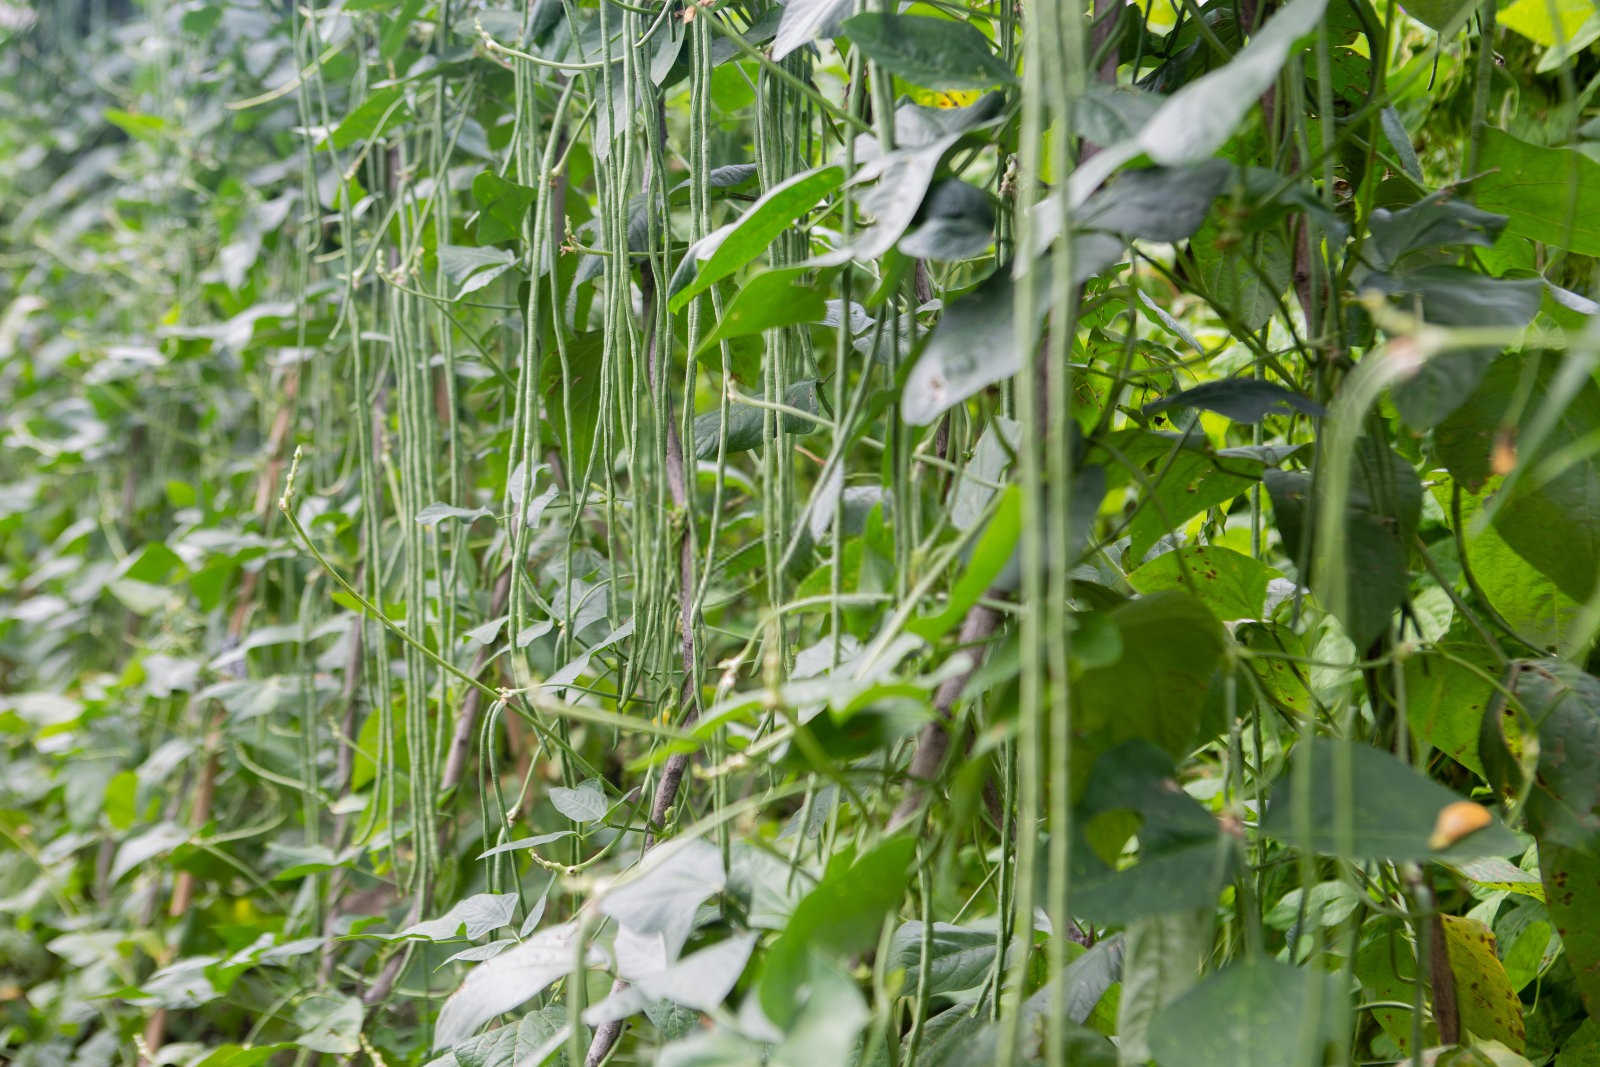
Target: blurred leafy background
806	533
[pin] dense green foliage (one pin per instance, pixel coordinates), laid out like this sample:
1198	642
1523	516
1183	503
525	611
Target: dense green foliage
801	532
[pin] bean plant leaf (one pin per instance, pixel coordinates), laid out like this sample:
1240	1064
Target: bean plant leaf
1446	699
1195	121
585	802
1231	584
436	513
1431	223
1386	967
1384	508
1161	962
1187	483
1240	399
1110	114
768	300
724	251
955	221
1394	131
959	957
500	984
805	20
700	980
1164	204
713	744
746	422
1453	296
934	52
469	268
381	109
661	896
904	177
1557	731
1171	643
990	556
1551	517
1390	809
1559	720
971	348
470	918
330	1023
1488	1004
1249	1013
1532	604
1571	879
960	1036
502	207
842	914
1183	859
1551	195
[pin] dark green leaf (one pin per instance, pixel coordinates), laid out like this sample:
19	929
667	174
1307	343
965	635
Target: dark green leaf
371	118
1232	585
766	301
1171	643
1183	859
957	222
724	251
745	422
502	207
1161	962
1394	131
936	53
1551	520
1164	204
959	957
1391	809
971	348
1433	223
1561	710
1571	879
1249	1013
1548	194
1197	120
1240	399
904	177
841	915
1382	513
1108	114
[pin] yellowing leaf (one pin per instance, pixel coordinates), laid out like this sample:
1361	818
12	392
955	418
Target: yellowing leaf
949	98
1533	19
1489	1006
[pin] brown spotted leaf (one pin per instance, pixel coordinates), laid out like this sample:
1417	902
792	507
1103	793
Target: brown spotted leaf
1572	893
1488	1004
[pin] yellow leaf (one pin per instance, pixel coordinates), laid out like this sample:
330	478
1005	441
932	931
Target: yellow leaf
1532	19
